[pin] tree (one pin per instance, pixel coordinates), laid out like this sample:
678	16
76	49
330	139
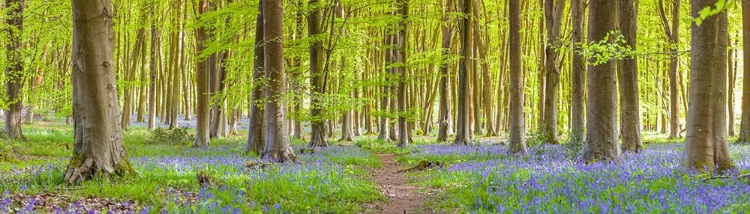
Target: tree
745	120
444	87
601	136
318	135
553	11
463	128
577	108
705	144
255	142
277	146
14	70
403	126
98	147
673	34
202	71
517	132
630	117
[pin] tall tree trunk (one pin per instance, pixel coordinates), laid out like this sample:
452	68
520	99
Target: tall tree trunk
175	55
673	33
463	128
444	87
202	72
705	145
578	108
152	75
278	147
98	147
318	135
732	69
553	11
256	132
601	137
745	118
630	116
515	113
14	70
403	126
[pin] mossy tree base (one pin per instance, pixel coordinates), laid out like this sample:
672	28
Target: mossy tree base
83	168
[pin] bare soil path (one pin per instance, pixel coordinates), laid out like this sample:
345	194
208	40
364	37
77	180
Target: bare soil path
402	197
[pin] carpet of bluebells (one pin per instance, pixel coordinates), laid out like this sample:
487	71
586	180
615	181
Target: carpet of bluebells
549	180
332	179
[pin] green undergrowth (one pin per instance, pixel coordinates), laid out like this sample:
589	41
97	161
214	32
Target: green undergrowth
333	180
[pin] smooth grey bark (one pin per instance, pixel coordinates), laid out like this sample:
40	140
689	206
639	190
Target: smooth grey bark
744	136
553	10
202	71
516	114
256	131
98	147
705	144
630	116
601	136
277	147
578	107
463	128
318	134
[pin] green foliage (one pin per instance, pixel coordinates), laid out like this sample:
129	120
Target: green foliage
703	14
611	47
175	136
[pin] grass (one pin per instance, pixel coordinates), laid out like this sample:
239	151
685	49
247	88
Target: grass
333	179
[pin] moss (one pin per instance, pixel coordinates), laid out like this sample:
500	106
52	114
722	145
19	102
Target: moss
124	169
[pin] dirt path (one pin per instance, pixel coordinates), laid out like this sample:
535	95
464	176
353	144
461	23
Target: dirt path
402	197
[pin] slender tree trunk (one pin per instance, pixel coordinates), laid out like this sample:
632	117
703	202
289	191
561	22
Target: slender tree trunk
98	147
256	132
152	75
403	126
578	109
730	87
463	127
318	135
444	88
705	145
202	72
630	116
553	13
515	113
14	70
745	117
601	137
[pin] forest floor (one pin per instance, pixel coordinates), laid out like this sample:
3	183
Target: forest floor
402	196
364	176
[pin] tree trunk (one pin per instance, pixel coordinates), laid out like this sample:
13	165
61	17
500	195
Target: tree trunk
601	137
745	117
463	127
14	70
554	14
732	69
578	109
202	71
630	117
705	144
444	88
403	127
152	75
517	132
277	148
256	132
98	147
318	135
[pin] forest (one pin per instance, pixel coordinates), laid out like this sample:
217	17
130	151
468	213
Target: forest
375	106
